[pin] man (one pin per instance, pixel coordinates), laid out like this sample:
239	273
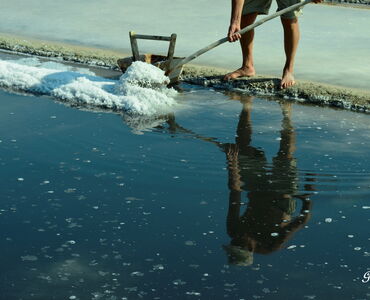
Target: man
244	13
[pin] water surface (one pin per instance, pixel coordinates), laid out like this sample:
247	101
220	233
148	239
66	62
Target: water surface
230	197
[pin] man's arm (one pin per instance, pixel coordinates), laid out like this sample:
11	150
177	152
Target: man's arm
236	15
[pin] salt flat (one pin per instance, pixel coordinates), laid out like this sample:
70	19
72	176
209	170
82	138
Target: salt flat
334	45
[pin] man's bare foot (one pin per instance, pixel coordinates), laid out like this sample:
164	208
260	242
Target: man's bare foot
242	72
287	80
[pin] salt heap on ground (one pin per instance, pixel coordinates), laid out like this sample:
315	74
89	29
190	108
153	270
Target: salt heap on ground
141	90
150	83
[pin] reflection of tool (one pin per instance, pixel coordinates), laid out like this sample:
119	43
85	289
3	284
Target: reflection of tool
173	66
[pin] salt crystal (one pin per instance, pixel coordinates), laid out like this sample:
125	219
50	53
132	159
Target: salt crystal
29	258
291	247
190	243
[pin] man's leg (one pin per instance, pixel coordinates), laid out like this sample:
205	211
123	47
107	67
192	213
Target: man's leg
246	42
291	39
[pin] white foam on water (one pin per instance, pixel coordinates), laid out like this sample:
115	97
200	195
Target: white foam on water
141	90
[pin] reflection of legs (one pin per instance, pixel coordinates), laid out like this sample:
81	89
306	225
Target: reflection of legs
246	42
287	135
233	213
291	39
284	170
244	130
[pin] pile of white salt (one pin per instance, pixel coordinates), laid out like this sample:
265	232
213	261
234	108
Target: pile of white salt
141	90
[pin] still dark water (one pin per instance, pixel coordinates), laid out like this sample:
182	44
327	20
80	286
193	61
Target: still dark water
233	197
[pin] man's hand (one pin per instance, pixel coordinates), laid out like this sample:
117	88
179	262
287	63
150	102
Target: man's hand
232	152
232	35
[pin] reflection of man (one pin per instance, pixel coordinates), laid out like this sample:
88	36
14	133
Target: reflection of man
244	13
267	222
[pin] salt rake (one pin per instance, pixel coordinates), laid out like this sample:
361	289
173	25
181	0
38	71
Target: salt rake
166	63
173	65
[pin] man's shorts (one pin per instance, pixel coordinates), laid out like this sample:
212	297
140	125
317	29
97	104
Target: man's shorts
262	7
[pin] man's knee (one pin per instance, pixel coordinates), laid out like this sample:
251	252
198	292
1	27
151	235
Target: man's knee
248	19
289	22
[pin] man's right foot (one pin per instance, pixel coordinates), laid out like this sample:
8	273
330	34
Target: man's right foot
242	72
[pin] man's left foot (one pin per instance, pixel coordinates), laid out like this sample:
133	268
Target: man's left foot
287	80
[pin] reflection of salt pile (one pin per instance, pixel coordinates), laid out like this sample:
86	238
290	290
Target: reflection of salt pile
140	91
141	123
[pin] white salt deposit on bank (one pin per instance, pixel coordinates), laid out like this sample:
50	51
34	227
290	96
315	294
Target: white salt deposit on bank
35	62
141	90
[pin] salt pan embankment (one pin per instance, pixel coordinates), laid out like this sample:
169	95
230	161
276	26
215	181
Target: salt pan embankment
303	91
